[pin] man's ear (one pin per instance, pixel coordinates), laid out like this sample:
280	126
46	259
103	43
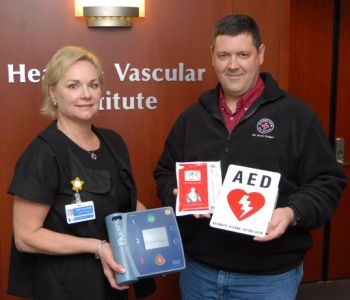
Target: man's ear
261	53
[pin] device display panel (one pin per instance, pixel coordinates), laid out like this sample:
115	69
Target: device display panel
155	238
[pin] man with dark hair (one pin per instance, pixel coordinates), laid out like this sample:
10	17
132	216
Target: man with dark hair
249	120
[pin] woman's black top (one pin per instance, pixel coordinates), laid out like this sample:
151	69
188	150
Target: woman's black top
43	174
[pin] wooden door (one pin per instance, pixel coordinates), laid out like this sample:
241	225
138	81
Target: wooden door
310	78
339	259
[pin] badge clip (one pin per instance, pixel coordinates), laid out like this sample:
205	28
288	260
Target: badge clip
79	211
77	185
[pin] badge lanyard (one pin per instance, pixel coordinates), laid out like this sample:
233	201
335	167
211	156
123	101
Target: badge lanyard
79	211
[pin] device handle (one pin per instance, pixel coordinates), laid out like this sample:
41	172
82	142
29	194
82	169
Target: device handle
120	248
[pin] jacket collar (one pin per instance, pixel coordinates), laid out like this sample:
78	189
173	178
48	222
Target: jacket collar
271	92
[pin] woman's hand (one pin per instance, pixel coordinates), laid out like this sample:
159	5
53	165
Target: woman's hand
110	266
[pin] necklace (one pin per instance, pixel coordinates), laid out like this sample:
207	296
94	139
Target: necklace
92	153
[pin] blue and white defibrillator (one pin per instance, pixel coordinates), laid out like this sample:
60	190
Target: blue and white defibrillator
147	243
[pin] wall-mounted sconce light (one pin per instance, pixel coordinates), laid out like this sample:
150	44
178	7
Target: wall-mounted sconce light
110	13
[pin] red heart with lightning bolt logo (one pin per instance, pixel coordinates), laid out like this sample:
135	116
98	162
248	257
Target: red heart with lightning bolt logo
243	204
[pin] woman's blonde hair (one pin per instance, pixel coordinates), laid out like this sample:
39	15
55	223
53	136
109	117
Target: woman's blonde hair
63	59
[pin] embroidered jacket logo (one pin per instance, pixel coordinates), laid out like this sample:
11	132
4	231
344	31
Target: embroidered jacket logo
265	126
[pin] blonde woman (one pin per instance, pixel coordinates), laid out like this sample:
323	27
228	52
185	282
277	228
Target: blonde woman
66	182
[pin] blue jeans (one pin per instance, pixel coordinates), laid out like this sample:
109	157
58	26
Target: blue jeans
200	282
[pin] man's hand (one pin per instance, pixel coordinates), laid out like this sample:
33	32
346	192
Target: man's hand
197	216
281	219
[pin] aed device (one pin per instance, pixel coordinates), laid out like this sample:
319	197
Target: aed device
147	243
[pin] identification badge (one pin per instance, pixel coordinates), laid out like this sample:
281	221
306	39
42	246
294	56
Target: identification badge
80	212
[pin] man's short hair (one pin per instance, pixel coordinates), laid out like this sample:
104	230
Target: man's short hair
234	25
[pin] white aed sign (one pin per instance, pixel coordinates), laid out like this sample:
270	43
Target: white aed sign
247	200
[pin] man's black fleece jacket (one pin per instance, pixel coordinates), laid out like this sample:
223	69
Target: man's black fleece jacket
294	145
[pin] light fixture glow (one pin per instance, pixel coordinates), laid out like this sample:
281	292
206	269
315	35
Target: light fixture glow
110	13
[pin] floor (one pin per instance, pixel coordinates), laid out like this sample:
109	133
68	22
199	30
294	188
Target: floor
330	290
